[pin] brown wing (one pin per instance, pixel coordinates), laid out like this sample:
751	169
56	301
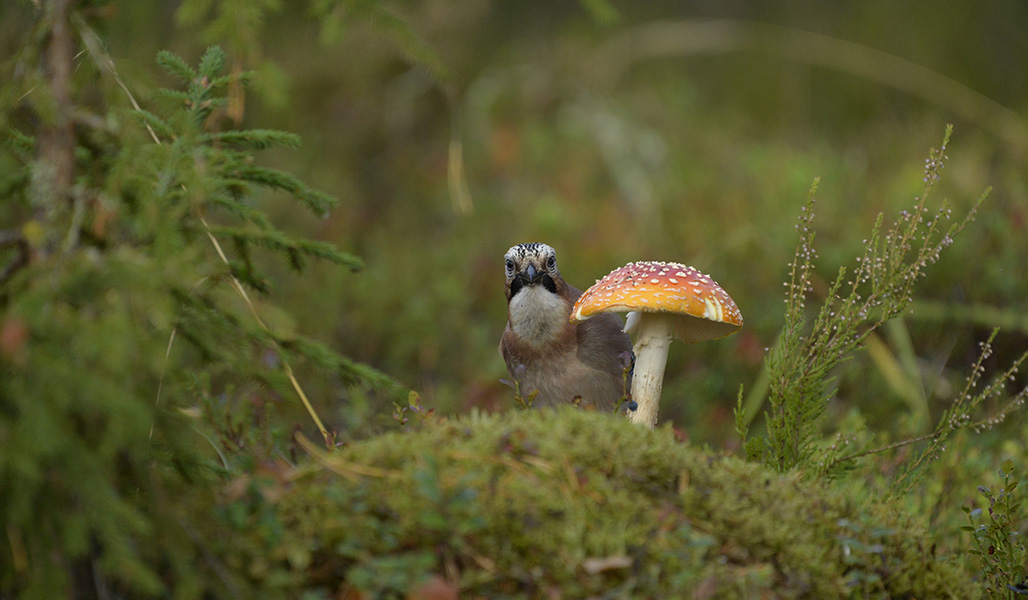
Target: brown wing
601	343
505	350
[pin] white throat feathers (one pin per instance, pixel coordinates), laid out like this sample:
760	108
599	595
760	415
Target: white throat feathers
537	315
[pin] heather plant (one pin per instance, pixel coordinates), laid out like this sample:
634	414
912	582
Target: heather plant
998	546
859	301
963	413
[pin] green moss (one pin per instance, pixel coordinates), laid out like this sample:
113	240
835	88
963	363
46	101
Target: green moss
520	504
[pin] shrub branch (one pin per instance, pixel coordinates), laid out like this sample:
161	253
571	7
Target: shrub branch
859	300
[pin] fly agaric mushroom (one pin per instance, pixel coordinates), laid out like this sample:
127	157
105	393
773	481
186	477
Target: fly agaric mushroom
664	300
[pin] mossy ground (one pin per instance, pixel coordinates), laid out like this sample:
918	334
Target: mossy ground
571	504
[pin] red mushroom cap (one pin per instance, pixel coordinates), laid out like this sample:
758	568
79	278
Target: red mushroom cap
707	311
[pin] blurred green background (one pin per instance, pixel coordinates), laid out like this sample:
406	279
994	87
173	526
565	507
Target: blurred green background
628	131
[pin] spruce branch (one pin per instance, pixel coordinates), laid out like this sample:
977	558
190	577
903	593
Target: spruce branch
297	248
242	210
256	139
176	97
318	203
329	438
20	143
212	62
200	101
172	63
155	124
351	371
243	271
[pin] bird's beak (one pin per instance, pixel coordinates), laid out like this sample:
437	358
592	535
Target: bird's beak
532	276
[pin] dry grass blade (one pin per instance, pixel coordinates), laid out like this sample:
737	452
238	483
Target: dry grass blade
349	470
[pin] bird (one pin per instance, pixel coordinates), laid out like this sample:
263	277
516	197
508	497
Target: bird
547	355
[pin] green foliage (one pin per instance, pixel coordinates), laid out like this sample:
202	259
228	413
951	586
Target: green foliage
801	365
998	545
415	408
146	413
959	415
519	504
234	172
131	373
801	371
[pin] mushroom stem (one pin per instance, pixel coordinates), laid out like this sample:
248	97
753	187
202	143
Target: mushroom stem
654	333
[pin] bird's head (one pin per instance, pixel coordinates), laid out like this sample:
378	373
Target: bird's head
529	265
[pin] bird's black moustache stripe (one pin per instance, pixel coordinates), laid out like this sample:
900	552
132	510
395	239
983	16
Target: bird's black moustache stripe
521	280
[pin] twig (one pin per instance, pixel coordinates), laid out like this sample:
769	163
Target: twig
892	446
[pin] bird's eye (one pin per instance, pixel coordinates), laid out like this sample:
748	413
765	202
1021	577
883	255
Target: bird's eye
551	262
509	266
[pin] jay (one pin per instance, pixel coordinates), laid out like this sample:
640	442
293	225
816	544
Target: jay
547	354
